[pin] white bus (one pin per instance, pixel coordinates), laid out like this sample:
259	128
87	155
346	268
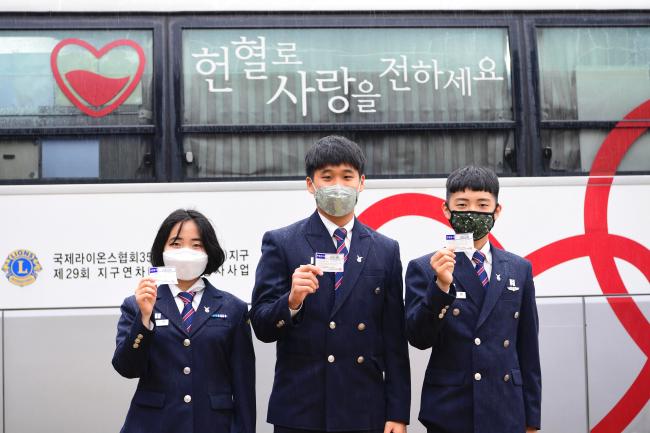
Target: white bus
113	114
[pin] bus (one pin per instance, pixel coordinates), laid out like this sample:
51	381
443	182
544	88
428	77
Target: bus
113	114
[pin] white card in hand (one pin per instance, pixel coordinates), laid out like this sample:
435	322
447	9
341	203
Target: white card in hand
460	241
164	275
330	262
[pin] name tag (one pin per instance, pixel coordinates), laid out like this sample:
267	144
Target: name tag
330	262
461	295
162	322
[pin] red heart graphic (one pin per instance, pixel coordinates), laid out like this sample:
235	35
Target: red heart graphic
95	89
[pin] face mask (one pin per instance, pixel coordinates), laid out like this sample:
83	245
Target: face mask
189	264
336	200
478	223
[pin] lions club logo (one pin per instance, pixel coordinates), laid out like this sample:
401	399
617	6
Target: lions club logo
21	267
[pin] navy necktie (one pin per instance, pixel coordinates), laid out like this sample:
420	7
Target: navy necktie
188	311
479	258
339	235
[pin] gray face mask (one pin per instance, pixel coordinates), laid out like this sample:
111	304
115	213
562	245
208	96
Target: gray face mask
336	200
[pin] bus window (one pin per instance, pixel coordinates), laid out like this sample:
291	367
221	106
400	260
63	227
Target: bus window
299	83
105	157
591	77
76	80
388	154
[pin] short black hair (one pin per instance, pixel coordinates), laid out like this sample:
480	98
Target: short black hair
473	178
216	255
334	150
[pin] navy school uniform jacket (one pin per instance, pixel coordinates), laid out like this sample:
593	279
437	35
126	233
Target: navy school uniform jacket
342	364
484	373
199	382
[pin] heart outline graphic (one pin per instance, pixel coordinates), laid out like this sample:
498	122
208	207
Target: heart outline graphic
97	54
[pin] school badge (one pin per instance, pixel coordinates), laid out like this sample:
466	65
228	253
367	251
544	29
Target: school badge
21	267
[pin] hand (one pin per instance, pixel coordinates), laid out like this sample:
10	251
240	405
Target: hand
303	283
145	296
443	262
395	427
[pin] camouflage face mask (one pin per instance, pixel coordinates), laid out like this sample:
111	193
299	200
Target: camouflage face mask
478	223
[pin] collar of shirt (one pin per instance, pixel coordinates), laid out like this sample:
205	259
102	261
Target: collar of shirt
331	227
485	250
198	286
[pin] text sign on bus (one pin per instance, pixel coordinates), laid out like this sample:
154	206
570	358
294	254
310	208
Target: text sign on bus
346	75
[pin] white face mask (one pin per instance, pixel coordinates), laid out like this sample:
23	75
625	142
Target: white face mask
189	264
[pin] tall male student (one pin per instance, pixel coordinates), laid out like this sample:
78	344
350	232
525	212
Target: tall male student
328	290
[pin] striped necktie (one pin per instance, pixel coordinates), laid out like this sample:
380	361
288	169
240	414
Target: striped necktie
479	258
188	311
339	235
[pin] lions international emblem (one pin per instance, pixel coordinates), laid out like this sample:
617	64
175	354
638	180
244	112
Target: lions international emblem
21	267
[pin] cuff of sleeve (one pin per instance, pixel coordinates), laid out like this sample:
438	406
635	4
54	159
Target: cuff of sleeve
295	312
437	299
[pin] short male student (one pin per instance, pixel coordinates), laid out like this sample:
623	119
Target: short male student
476	310
342	354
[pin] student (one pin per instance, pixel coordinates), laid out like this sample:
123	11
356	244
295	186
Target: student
342	354
476	311
189	343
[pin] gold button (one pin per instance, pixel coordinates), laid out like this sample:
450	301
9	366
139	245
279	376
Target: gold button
377	290
186	342
187	370
332	325
443	311
506	343
137	340
280	324
140	336
440	316
330	359
477	376
455	312
517	315
506	378
360	360
361	326
477	341
187	398
446	307
136	345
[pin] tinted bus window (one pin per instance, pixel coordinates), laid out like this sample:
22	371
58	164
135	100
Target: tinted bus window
309	78
53	79
591	75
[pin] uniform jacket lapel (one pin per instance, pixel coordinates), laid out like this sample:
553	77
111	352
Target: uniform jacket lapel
211	300
495	288
319	240
166	305
359	247
465	275
318	237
